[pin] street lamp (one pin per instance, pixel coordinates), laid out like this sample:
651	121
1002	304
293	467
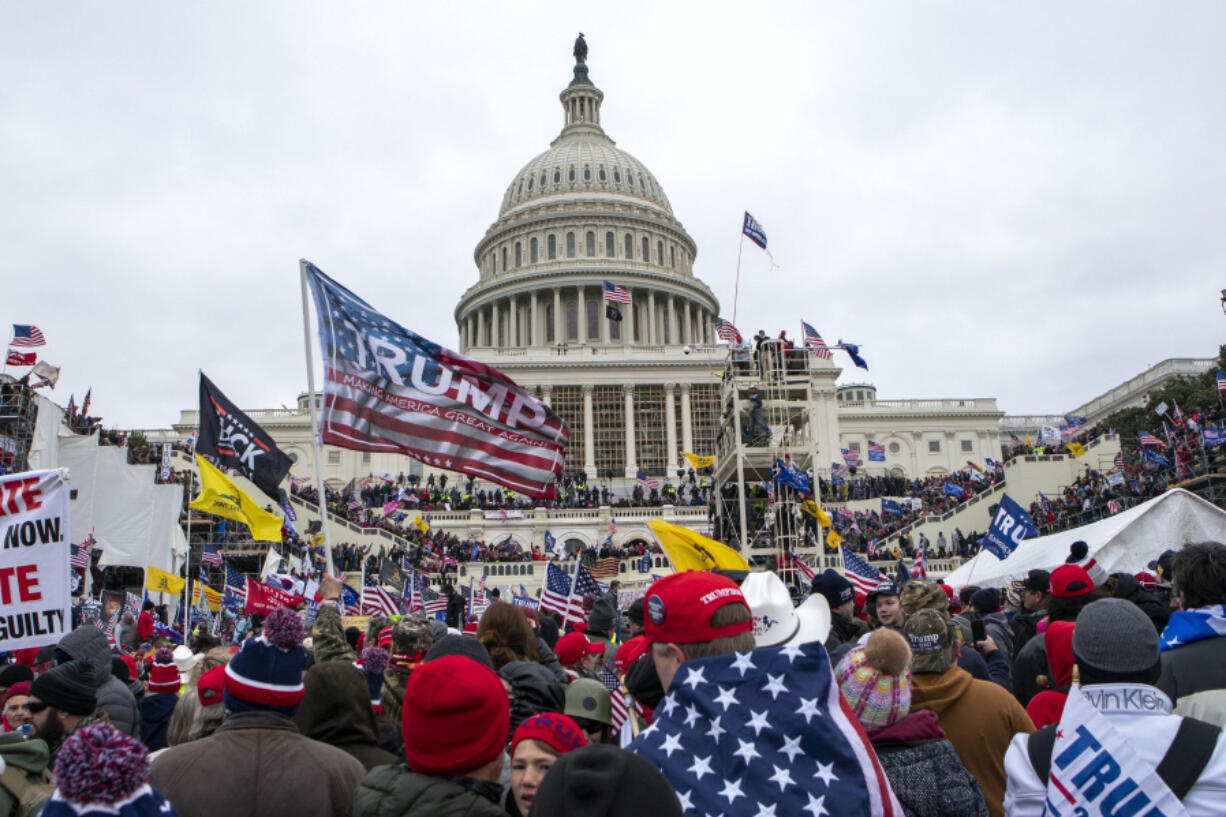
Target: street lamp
1224	300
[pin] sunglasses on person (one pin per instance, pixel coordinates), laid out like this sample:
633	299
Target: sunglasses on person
36	706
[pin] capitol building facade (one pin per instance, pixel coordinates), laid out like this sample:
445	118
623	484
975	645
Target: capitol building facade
638	391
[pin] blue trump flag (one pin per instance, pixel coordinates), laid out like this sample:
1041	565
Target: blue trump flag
805	755
1156	459
1074	419
1213	437
891	506
754	231
853	352
954	490
793	479
549	542
1009	527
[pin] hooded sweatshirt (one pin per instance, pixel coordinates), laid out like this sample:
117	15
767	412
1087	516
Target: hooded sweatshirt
979	718
1048	705
336	710
155	712
88	643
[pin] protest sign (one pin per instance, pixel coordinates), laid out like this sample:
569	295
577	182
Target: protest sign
262	599
34	559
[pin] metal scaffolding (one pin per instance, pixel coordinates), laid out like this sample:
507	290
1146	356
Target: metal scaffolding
18	414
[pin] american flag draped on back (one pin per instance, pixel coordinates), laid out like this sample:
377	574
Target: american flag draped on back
863	576
768	729
390	390
814	341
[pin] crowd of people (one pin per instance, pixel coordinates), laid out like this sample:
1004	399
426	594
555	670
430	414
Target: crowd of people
703	695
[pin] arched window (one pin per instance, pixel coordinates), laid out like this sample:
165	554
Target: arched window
519	191
504	259
608	245
570	176
590	242
593	318
530	184
543	178
646	250
532	250
602	176
570	245
660	253
630	178
617	176
553	247
629	247
519	254
549	338
572	320
587	173
557	175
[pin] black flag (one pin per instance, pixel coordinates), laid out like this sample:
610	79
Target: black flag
230	438
612	312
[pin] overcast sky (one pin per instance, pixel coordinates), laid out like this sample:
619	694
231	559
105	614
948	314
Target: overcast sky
1020	201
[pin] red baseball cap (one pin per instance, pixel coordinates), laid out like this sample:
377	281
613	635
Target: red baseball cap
1070	581
680	606
630	652
571	648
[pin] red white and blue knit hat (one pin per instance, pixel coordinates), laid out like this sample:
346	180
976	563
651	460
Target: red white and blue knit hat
266	674
373	661
101	771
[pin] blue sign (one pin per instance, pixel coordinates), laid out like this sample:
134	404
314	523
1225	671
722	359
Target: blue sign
1213	437
891	506
1010	526
1154	458
954	490
1074	419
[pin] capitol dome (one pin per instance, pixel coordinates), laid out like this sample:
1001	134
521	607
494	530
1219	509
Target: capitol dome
578	216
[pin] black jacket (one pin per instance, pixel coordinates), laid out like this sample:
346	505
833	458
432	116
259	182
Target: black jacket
397	791
155	711
924	770
336	710
1194	678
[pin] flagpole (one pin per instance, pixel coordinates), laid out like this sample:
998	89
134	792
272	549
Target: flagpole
736	292
329	567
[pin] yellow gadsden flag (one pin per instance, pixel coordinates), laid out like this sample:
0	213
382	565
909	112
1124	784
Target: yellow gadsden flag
834	540
1076	449
221	497
814	510
688	550
159	581
421	525
697	462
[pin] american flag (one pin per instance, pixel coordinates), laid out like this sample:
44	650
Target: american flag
209	555
1119	460
376	600
81	554
615	294
621	709
1221	379
863	576
876	452
919	568
236	588
724	330
1114	507
814	341
852	457
1146	438
806	754
606	568
584	584
648	482
840	470
24	335
428	402
800	566
354	504
556	591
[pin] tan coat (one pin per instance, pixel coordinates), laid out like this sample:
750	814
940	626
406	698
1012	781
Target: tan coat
979	718
257	764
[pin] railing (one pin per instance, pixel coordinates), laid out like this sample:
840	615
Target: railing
979	404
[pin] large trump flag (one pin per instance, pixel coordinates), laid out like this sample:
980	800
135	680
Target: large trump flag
388	389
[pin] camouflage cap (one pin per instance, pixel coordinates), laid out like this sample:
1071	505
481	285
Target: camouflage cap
928	633
922	595
411	634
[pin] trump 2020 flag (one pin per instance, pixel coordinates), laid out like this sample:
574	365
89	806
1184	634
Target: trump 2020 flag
1009	527
764	732
1095	773
391	390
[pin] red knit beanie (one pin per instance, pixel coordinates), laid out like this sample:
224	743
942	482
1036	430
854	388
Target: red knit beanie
163	674
555	730
455	717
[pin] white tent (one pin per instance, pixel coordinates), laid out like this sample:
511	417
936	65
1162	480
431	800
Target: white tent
1126	542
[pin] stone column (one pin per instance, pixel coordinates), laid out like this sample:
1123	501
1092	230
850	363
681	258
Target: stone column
534	331
559	335
480	327
547	395
670	429
651	317
582	316
689	324
495	323
589	445
687	428
512	322
632	463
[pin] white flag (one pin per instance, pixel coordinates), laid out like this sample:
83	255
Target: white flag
1049	434
1086	744
1160	409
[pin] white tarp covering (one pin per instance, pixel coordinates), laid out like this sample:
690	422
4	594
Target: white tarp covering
1126	542
44	448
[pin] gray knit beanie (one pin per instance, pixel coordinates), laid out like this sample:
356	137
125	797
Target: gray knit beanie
1114	637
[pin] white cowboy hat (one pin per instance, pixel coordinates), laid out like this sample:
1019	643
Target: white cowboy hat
775	620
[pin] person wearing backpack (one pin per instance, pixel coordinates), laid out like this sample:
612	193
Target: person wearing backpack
26	781
1115	648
